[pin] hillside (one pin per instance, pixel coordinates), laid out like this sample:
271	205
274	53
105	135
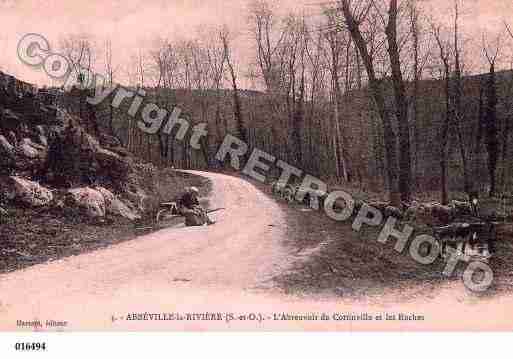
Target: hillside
64	188
270	126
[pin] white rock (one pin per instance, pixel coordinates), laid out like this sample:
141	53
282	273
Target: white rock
115	206
28	192
89	200
29	149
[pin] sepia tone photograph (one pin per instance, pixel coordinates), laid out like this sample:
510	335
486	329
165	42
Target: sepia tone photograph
256	165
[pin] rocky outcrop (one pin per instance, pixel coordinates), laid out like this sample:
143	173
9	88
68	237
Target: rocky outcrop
43	144
32	150
29	157
7	157
116	207
27	192
113	164
77	157
88	200
98	202
6	148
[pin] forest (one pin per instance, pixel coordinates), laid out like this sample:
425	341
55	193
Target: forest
380	95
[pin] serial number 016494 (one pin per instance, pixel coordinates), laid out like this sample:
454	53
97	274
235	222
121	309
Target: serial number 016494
30	346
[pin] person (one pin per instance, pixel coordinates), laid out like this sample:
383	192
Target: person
190	208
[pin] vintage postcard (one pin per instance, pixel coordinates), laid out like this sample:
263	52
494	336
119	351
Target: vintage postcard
256	165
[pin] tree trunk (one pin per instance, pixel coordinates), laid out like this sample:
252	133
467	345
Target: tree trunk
492	143
445	137
379	99
401	104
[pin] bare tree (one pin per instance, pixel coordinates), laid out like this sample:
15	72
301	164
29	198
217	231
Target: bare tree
272	67
110	72
490	119
401	103
458	95
216	63
79	50
353	19
237	109
159	58
444	51
336	44
413	12
268	44
137	71
315	76
293	57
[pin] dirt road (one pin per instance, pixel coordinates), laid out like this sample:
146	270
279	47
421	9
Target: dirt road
226	268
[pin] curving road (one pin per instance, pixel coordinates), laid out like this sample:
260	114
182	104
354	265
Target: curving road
227	267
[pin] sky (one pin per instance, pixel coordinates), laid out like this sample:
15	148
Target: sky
134	24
